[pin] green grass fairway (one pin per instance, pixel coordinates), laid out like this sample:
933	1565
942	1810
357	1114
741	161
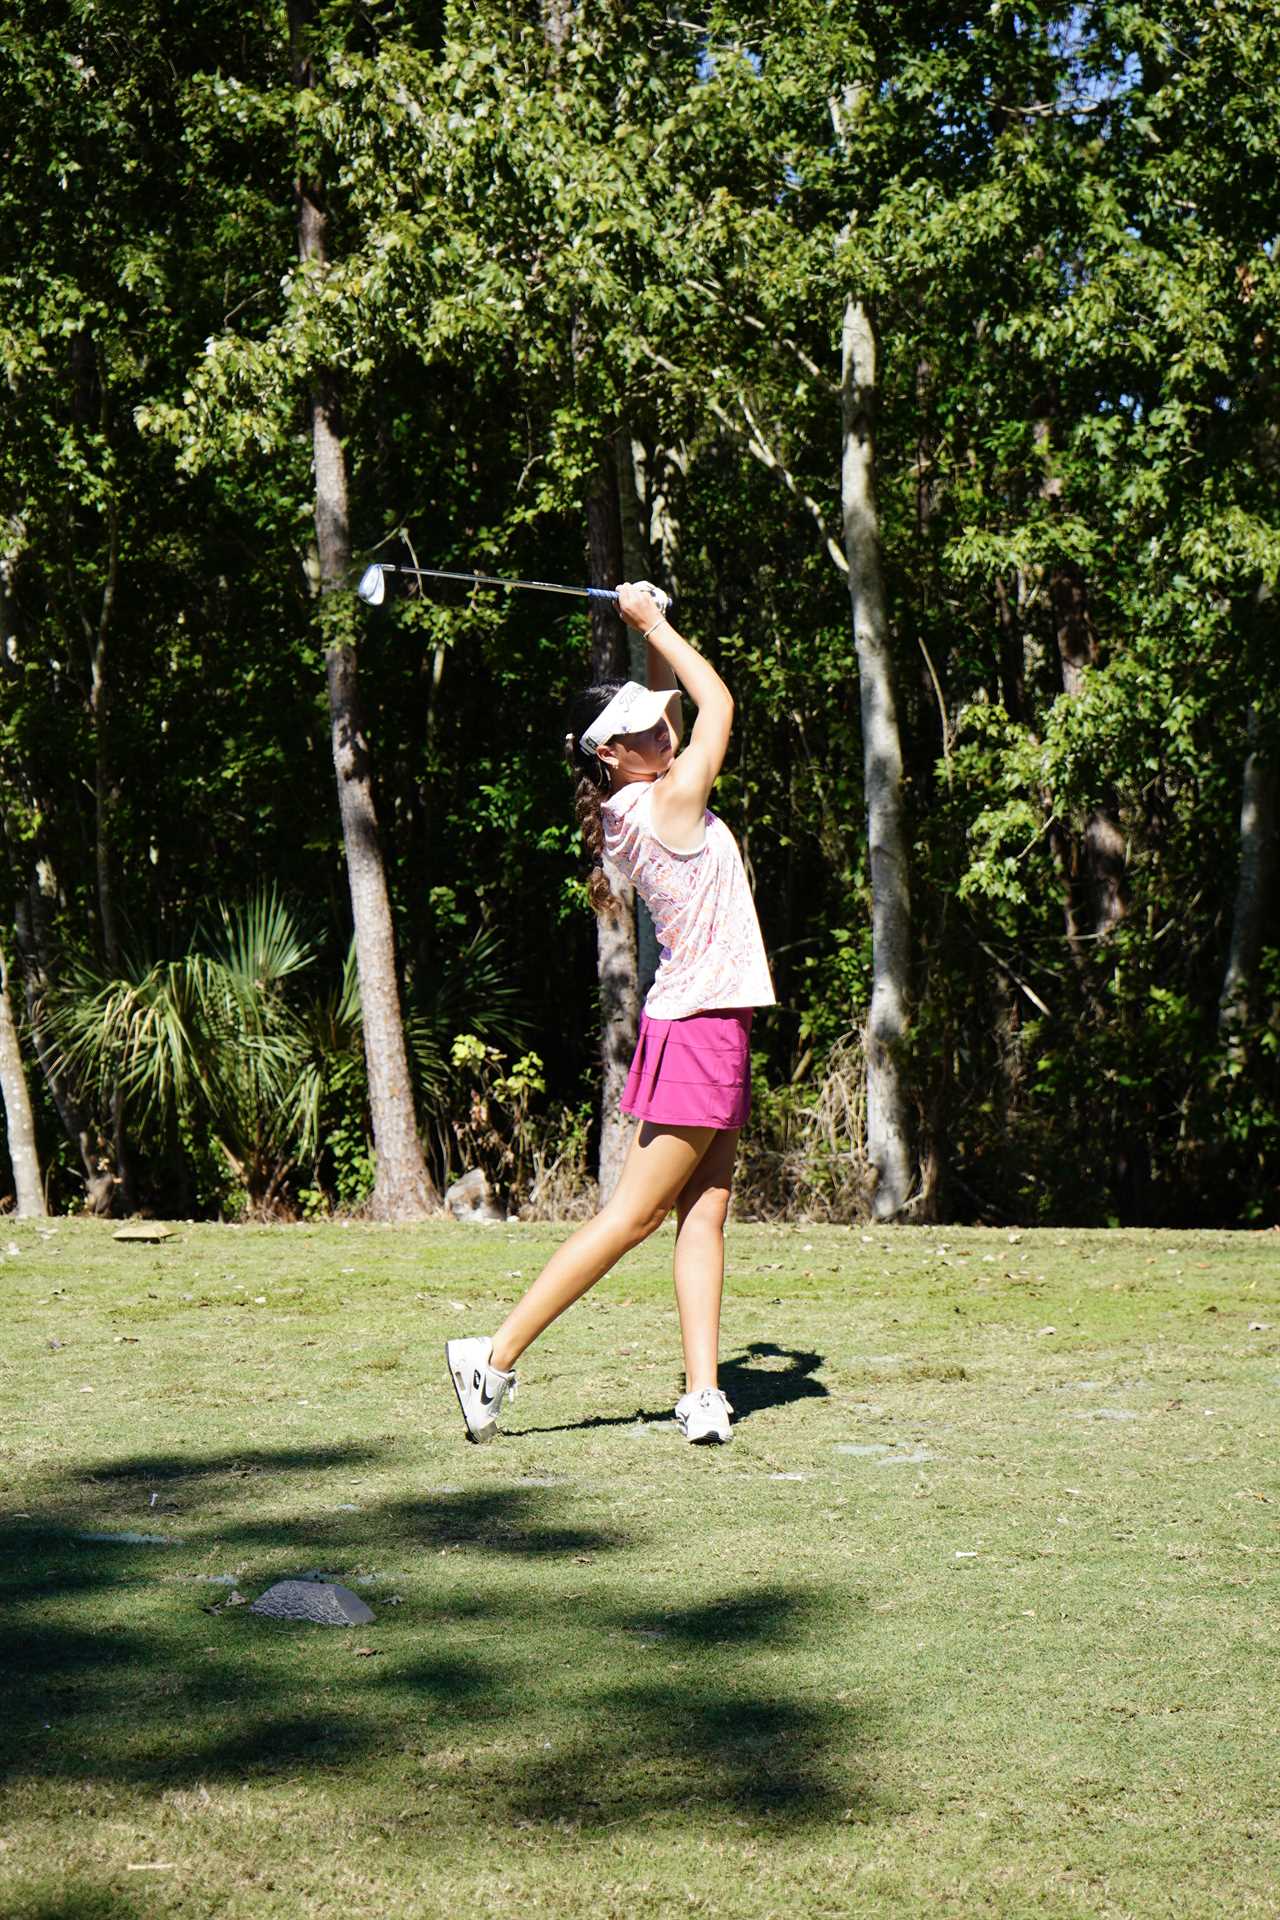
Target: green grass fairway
976	1616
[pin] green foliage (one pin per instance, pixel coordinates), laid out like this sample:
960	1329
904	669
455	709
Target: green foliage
490	1114
1064	221
207	1042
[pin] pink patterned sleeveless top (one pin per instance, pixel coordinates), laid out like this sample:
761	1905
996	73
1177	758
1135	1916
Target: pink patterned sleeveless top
711	953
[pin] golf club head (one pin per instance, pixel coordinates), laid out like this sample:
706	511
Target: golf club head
373	585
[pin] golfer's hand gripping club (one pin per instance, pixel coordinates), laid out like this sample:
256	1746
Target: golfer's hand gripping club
661	600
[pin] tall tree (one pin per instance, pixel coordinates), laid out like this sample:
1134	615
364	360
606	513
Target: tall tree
20	1132
402	1188
1259	850
617	954
636	516
770	290
888	1139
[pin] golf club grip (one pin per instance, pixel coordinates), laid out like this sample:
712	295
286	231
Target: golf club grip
660	599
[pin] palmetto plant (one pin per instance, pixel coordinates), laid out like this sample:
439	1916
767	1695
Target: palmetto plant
218	1043
209	1041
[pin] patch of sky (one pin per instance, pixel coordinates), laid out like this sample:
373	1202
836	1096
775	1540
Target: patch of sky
1126	403
1095	71
709	58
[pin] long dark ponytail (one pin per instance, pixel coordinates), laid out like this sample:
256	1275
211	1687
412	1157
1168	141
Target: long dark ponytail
592	786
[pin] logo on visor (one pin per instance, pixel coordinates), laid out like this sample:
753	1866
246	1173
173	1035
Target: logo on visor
632	709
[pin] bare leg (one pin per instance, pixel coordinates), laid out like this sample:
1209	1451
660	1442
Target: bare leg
699	1260
658	1167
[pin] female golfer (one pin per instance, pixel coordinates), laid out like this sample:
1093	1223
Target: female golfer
645	805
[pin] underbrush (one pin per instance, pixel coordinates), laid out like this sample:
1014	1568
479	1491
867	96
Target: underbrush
803	1152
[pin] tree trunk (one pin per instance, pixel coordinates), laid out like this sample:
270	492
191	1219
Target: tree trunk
617	970
90	411
106	792
1094	873
35	950
1259	808
99	1173
557	24
19	1125
402	1185
617	973
1013	684
1072	623
637	564
888	1129
1105	864
1098	873
604	565
106	800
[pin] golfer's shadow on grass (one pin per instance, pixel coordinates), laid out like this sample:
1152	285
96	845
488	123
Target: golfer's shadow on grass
763	1375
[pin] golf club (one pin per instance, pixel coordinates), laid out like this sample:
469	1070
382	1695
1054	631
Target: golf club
372	588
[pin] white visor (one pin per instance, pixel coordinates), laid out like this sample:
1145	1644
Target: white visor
633	709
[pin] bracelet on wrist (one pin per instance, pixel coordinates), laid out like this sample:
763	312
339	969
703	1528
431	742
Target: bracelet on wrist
654	628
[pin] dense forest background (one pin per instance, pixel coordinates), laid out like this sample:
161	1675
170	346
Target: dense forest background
928	356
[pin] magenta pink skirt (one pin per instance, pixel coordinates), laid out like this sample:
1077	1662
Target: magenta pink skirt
694	1072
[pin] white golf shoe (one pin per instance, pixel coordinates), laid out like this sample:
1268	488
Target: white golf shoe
480	1388
703	1417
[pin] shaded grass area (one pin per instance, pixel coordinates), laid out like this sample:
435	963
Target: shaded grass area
977	1614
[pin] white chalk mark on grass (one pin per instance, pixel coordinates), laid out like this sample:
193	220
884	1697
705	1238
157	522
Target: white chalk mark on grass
878	1452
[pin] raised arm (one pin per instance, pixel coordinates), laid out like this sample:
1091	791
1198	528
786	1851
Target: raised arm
680	797
659	674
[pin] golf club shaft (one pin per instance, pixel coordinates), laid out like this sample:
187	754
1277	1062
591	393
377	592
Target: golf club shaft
490	580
